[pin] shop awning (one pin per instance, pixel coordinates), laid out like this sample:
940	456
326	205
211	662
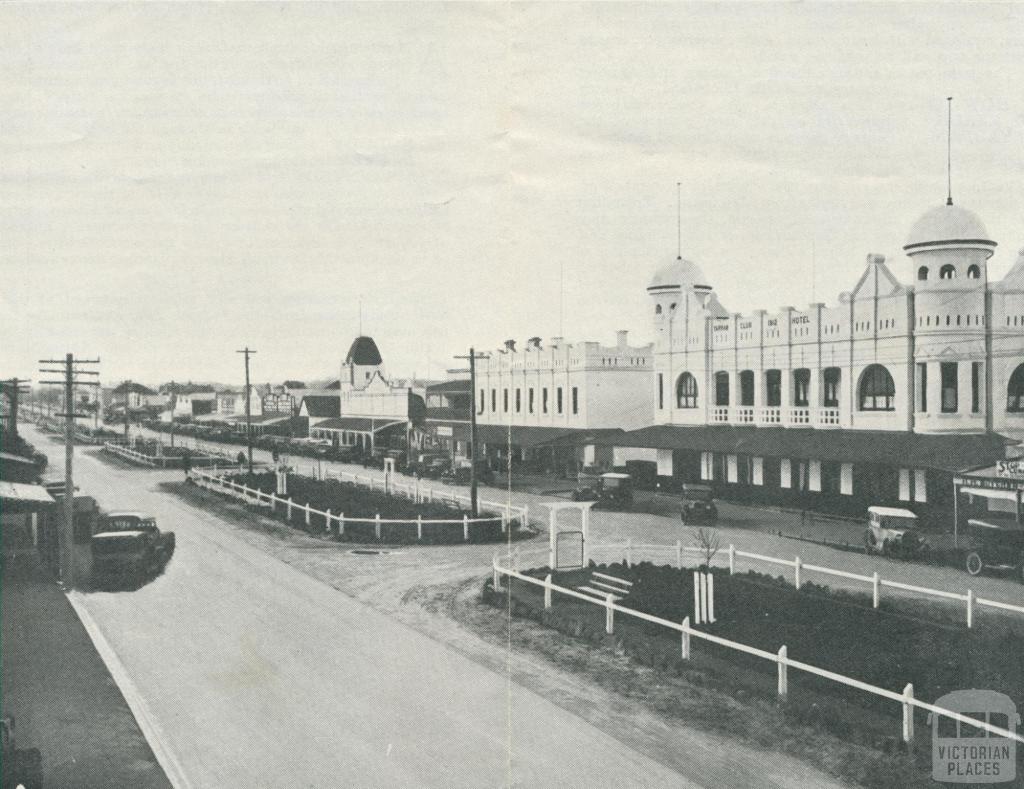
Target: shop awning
523	436
990	493
17	491
358	424
945	452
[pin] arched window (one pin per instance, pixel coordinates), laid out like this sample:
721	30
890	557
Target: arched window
1015	391
657	309
686	391
672	307
973	272
947	272
922	273
747	387
830	393
722	388
877	389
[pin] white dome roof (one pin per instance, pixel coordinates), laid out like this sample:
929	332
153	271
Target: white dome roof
947	225
680	273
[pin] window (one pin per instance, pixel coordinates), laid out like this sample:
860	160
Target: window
519	400
973	272
483	402
922	273
686	391
722	388
657	309
922	387
747	387
558	399
661	391
947	272
504	400
773	387
948	376
801	386
877	389
544	399
1015	391
494	400
531	400
975	387
831	387
575	400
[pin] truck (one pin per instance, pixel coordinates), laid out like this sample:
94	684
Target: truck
129	543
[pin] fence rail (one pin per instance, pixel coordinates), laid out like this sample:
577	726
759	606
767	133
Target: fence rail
780	658
730	554
229	487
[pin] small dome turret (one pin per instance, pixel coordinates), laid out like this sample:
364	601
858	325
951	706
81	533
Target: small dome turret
948	227
680	274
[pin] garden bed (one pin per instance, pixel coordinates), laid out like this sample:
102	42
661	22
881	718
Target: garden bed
357	502
828	629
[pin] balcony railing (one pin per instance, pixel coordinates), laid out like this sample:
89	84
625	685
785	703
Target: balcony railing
827	417
743	415
799	417
770	415
720	414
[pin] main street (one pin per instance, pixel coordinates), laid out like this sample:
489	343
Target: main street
255	673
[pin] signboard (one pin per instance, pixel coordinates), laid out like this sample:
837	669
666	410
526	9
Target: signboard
1013	469
444	430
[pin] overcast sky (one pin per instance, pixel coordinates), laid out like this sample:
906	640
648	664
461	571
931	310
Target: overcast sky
178	181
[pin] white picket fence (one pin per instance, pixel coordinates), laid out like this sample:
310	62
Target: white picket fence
128	454
781	658
728	555
222	484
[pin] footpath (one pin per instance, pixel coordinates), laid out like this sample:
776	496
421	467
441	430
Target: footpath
60	693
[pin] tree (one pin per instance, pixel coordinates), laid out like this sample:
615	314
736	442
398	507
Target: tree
708	542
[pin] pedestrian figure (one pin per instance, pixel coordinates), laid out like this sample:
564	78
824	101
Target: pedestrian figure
186	462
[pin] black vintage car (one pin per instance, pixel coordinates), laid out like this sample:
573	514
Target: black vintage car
126	544
459	473
697	504
994	542
611	489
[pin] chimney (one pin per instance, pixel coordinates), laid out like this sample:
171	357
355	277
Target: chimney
621	338
510	345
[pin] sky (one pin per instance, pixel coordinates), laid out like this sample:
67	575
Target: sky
178	181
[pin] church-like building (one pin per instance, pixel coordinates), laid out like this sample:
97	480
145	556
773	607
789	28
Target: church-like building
916	373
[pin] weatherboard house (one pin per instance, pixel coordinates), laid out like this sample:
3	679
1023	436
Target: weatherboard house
916	373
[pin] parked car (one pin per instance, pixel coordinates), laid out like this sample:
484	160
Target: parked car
612	488
420	461
697	504
459	473
436	468
994	542
374	459
129	543
893	531
21	767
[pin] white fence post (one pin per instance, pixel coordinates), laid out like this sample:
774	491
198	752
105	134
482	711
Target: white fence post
796	572
696	597
289	509
783	676
704	597
609	614
686	638
679	555
341	524
970	608
465	527
876	589
504	523
711	598
547	591
419	527
732	559
327	521
497	575
629	552
908	713
376	525
307	514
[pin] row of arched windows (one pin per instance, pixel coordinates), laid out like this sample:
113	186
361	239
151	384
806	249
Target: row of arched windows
948	271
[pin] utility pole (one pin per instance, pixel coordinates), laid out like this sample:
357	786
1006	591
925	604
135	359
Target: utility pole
127	385
13	386
67	553
248	407
473	356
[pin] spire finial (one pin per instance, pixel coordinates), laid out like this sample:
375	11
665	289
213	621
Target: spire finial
949	150
679	221
360	316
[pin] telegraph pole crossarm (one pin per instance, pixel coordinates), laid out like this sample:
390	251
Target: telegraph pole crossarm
472	357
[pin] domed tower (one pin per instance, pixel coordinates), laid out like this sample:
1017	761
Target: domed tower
949	248
361	362
675	290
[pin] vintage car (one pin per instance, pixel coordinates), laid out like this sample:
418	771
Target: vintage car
697	504
22	767
894	532
459	473
995	542
436	468
129	543
611	488
421	461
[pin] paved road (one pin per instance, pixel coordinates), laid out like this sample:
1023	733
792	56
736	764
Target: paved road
256	674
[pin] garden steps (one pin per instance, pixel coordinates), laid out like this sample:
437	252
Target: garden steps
601	585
